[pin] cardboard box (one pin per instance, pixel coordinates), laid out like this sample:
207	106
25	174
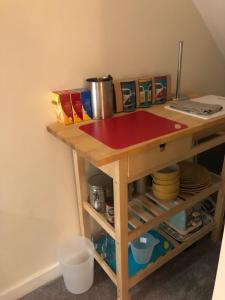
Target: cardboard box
72	106
144	91
125	93
81	103
150	89
86	104
161	88
75	97
118	95
63	107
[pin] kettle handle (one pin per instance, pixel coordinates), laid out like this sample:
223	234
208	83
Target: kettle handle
110	77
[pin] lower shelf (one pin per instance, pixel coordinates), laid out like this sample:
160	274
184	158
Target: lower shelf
105	267
152	266
146	211
178	248
106	246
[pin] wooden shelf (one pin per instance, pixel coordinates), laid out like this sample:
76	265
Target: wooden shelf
150	213
105	267
178	248
146	213
100	219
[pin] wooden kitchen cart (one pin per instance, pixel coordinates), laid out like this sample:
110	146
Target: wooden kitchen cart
132	163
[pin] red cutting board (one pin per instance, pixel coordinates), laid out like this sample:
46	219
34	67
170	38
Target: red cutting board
131	129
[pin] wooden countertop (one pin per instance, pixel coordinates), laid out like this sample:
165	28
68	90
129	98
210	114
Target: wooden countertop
99	154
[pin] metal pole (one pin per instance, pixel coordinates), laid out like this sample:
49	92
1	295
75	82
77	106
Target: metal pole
180	54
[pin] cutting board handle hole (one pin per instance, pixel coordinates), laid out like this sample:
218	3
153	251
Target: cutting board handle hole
177	126
162	147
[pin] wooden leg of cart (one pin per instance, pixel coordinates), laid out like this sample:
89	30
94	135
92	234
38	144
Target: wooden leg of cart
121	227
220	207
82	193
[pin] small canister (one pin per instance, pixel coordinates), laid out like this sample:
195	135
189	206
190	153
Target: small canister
110	210
100	188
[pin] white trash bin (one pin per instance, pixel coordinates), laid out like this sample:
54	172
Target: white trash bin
76	257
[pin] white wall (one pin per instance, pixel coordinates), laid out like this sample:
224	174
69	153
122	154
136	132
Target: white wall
213	13
55	44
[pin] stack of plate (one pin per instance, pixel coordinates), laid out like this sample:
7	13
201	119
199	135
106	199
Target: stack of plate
166	183
193	178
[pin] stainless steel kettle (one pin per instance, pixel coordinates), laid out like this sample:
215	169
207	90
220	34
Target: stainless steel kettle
101	96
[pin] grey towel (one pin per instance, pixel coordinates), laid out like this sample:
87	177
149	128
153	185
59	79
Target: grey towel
196	108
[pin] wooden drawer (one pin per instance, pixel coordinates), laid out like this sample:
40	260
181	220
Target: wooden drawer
208	139
144	163
215	130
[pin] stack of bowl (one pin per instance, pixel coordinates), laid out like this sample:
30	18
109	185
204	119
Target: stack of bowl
166	183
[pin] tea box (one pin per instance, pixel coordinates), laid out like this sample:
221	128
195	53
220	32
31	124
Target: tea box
160	89
128	95
144	92
81	104
63	107
72	106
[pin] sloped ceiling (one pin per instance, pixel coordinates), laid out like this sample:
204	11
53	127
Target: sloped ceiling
213	13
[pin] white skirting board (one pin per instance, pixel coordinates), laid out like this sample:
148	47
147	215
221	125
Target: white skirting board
31	283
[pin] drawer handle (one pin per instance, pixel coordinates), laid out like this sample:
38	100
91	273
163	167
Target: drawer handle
208	142
209	138
162	147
